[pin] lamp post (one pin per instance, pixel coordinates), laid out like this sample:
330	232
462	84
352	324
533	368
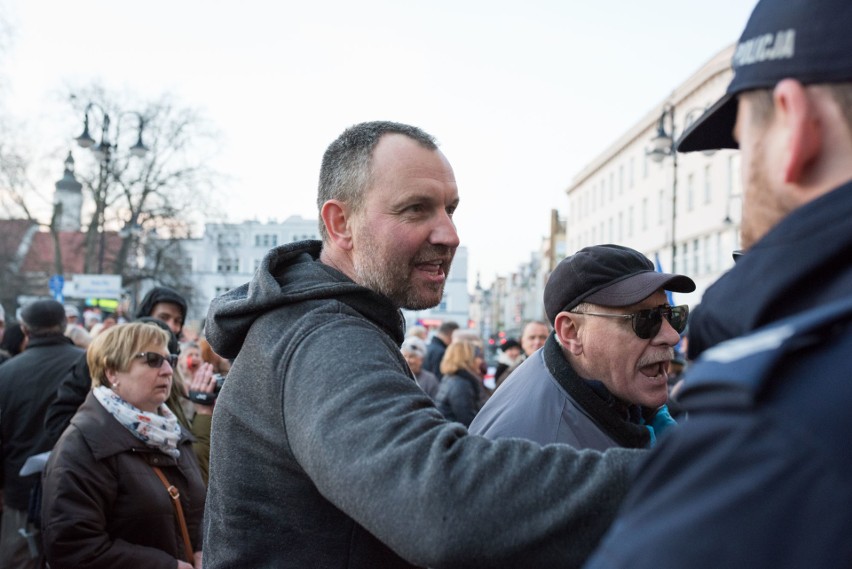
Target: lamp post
103	152
662	145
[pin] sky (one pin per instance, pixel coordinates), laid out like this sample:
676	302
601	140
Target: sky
521	95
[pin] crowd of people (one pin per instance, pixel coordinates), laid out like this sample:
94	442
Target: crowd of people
340	439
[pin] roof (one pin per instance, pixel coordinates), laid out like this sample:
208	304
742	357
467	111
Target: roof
39	255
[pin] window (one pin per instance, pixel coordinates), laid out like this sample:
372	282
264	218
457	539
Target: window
620	226
266	240
611	186
228	238
220	290
630	221
644	214
661	207
227	265
621	179
696	257
630	172
709	255
690	192
708	187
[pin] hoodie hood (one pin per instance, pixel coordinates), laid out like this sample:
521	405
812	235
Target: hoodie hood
160	294
289	275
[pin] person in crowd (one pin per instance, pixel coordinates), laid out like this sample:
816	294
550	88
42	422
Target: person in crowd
92	317
77	382
78	335
759	474
190	358
510	355
329	452
601	379
437	346
27	387
533	336
460	394
106	496
417	331
72	315
414	351
165	304
13	342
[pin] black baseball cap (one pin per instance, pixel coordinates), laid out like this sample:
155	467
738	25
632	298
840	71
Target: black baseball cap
608	275
806	40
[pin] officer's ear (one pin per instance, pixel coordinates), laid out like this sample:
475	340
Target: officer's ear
567	326
337	218
800	121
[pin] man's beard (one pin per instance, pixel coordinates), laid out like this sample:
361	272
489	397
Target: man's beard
389	273
762	208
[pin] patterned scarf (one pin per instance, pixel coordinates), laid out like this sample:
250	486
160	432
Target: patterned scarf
161	432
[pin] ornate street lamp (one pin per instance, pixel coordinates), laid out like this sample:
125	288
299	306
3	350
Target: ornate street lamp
663	145
103	151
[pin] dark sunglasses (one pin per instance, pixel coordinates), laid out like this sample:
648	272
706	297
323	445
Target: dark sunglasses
155	360
647	323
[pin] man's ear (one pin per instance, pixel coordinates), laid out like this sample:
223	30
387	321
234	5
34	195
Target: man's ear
337	220
567	328
802	129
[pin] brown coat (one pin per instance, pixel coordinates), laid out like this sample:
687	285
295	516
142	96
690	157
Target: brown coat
103	505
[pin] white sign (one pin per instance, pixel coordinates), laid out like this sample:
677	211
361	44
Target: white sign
93	286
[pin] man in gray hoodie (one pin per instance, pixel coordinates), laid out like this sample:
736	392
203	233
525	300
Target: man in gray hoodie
334	457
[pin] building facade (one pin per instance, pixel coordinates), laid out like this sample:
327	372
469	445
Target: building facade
228	254
683	211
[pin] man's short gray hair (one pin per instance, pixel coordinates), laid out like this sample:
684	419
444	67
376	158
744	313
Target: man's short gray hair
345	171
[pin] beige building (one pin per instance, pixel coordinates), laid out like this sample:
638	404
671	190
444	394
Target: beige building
687	207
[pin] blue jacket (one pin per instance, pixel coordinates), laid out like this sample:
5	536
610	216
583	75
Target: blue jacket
759	474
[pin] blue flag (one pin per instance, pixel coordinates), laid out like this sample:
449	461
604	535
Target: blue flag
660	270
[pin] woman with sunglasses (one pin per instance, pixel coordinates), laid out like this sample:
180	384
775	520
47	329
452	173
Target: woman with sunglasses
106	500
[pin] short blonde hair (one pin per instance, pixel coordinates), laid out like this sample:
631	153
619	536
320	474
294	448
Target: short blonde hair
115	348
459	356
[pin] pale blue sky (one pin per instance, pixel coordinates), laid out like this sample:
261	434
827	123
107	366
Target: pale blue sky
521	95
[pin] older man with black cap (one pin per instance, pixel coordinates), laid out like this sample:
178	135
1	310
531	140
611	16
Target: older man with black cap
600	380
27	386
759	475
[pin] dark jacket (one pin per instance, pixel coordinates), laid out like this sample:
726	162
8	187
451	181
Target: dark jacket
77	383
759	474
103	505
70	394
27	386
428	383
321	456
434	354
458	397
544	400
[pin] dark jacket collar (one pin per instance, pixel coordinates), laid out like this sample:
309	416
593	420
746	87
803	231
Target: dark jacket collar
781	275
49	340
616	418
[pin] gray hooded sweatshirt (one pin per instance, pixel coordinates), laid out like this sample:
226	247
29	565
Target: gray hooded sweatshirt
326	453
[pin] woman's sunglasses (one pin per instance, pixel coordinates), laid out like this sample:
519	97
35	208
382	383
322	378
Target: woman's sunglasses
155	360
647	323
